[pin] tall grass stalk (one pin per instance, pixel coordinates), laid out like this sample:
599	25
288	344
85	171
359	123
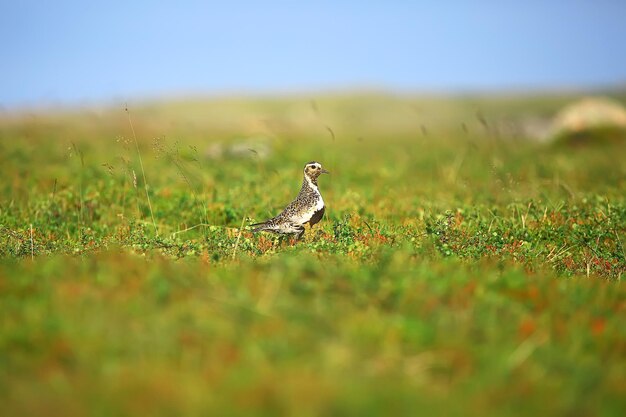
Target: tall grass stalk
201	201
32	244
81	219
143	172
239	235
172	154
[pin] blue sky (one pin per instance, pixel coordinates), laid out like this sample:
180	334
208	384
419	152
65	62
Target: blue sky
75	52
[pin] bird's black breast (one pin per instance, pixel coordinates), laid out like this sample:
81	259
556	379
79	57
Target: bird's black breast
317	216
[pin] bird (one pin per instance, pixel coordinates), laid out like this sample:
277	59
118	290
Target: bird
308	207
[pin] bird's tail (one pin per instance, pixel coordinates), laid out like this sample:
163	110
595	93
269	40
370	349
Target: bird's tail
259	227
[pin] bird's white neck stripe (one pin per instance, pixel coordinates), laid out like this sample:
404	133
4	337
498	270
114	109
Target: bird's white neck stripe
311	184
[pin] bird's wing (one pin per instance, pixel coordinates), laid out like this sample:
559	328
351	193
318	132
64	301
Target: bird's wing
305	214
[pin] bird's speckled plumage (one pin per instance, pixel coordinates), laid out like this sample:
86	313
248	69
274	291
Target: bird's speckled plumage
308	207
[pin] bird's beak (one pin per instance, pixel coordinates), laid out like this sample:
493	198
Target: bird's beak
324	171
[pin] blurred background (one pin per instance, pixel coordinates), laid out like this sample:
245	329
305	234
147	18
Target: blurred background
77	53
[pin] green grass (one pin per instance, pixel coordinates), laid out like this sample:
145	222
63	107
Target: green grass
457	272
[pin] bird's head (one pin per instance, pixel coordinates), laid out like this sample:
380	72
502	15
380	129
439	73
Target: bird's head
312	170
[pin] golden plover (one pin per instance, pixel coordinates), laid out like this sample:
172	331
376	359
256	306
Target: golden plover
308	207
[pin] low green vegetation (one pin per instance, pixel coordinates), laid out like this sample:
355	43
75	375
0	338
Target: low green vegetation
460	269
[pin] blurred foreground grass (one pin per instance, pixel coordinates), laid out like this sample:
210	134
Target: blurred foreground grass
307	334
460	269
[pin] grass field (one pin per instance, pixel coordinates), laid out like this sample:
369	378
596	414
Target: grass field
459	270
